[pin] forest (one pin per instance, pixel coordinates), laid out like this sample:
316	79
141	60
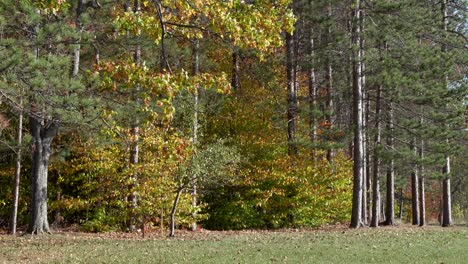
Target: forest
142	115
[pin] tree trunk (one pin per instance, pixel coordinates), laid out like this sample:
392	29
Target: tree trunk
447	201
390	208
446	198
16	185
173	211
367	180
329	85
135	134
312	99
414	189
376	176
292	100
195	70
42	135
422	200
356	220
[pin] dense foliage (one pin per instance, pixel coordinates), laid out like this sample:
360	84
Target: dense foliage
151	125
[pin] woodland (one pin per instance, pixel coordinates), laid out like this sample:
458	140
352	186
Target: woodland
142	115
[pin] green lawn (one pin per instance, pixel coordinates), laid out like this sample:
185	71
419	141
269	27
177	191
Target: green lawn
383	245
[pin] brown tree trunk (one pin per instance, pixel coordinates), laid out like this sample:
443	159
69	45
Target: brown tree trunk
356	220
173	211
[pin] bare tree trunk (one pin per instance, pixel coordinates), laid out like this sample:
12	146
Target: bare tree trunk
195	70
367	180
135	134
390	209
312	98
16	185
42	133
365	118
422	200
447	199
173	211
356	220
377	146
329	79
414	189
292	100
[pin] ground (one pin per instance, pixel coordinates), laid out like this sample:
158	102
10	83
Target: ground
327	245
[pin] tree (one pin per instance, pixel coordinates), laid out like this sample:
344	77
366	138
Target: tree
356	220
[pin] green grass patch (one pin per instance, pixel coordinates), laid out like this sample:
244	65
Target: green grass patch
382	245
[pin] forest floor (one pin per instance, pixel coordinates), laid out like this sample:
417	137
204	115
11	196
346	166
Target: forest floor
401	244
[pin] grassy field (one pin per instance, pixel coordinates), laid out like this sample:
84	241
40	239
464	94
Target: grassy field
335	245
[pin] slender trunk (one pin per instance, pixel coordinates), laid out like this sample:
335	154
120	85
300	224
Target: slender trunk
173	211
390	209
366	181
16	185
447	199
329	85
292	100
365	118
422	199
356	220
377	146
42	135
312	99
414	189
135	134
329	106
195	70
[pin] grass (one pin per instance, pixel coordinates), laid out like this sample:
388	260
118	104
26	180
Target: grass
337	245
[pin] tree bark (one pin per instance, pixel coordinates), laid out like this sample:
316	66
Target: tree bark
195	70
356	220
414	189
390	208
16	185
312	99
173	211
42	133
422	200
376	176
135	134
447	199
292	100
